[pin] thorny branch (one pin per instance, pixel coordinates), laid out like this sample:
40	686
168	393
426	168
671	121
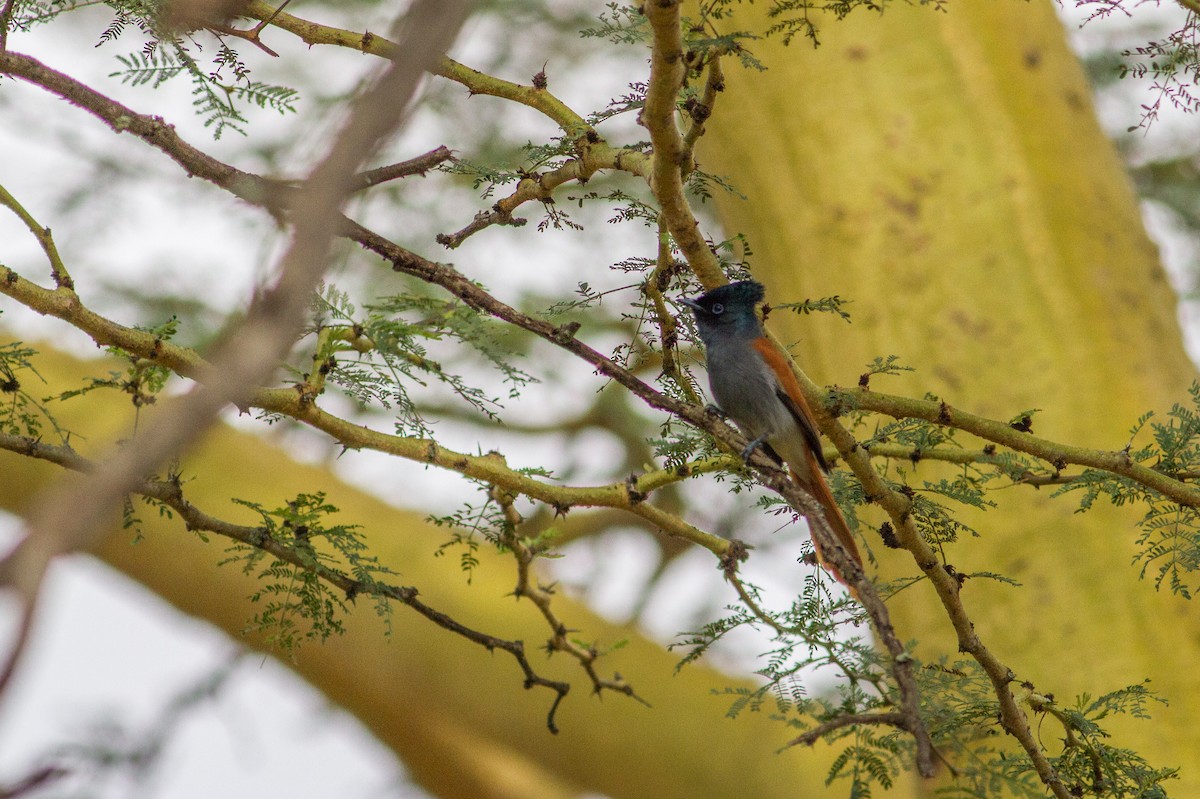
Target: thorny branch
170	493
541	596
947	587
58	270
476	82
297	404
412	166
541	186
1060	455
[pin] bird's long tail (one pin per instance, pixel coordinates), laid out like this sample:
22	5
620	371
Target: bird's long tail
833	514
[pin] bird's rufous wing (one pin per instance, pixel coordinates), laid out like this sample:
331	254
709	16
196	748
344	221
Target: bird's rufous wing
793	398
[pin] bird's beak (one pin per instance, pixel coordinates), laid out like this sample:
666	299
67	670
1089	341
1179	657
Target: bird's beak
695	306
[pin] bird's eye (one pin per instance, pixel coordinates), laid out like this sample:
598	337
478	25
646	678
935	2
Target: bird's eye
717	309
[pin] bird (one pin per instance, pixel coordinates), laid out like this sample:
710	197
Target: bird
753	385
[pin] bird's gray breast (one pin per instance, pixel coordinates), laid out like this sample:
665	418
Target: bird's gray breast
744	387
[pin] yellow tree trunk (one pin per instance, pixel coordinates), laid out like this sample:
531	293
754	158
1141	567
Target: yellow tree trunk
945	171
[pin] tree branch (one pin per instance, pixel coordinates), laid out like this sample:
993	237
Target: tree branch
700	110
1115	461
58	270
541	596
413	166
475	81
170	493
821	730
629	495
5	20
947	588
667	71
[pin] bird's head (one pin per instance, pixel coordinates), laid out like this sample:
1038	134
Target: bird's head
728	308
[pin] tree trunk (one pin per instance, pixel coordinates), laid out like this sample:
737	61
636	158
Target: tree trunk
946	172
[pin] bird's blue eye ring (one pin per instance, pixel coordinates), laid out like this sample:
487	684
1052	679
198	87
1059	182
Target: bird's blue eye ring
717	308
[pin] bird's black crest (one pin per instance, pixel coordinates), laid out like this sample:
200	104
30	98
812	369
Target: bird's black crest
744	293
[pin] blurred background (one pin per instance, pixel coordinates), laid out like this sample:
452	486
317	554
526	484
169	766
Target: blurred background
149	702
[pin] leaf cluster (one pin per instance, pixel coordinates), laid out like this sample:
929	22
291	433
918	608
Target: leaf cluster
810	645
1169	538
400	330
471	525
21	414
220	91
216	100
296	604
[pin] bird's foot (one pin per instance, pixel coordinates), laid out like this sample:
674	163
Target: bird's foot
753	445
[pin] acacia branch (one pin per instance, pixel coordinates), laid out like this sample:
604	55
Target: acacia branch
700	110
851	719
629	495
668	326
402	169
58	270
5	20
542	596
541	187
476	82
1059	455
946	586
671	157
592	153
170	493
33	783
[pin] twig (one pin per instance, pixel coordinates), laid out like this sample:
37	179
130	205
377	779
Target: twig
700	110
58	270
483	219
33	782
668	327
810	737
1059	455
529	588
477	83
253	35
542	185
413	166
5	21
